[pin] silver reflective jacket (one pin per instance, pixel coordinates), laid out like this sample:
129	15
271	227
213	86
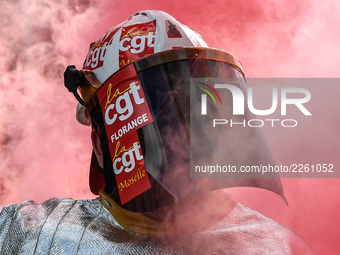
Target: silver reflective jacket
66	226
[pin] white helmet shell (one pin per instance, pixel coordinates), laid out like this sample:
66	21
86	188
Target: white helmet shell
143	34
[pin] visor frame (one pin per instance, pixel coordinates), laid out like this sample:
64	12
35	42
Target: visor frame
93	85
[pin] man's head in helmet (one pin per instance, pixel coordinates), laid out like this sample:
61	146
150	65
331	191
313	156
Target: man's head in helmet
141	87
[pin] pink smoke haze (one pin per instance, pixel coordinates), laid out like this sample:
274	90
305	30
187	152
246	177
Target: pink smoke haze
45	153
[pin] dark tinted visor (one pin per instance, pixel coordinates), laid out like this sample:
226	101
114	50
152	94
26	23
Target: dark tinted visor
176	97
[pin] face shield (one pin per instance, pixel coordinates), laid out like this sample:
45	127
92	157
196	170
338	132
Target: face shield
159	124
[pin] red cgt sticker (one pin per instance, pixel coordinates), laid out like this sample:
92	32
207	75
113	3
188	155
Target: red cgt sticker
96	55
136	41
125	110
128	164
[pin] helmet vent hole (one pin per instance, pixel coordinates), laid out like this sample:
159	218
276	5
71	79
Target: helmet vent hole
140	13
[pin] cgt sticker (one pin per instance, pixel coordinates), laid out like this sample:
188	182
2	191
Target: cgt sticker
125	110
96	55
136	41
129	168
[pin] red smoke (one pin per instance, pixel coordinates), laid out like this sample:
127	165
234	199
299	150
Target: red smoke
45	153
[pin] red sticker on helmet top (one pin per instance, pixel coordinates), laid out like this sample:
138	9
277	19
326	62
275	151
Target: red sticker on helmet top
125	110
96	55
136	41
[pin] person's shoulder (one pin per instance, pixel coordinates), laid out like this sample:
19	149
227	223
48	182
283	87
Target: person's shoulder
34	214
29	202
31	226
251	232
31	205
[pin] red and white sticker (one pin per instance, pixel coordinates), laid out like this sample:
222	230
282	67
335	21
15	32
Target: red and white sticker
96	55
136	41
129	168
125	110
121	46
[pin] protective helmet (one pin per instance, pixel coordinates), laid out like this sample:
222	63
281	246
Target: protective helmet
142	85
